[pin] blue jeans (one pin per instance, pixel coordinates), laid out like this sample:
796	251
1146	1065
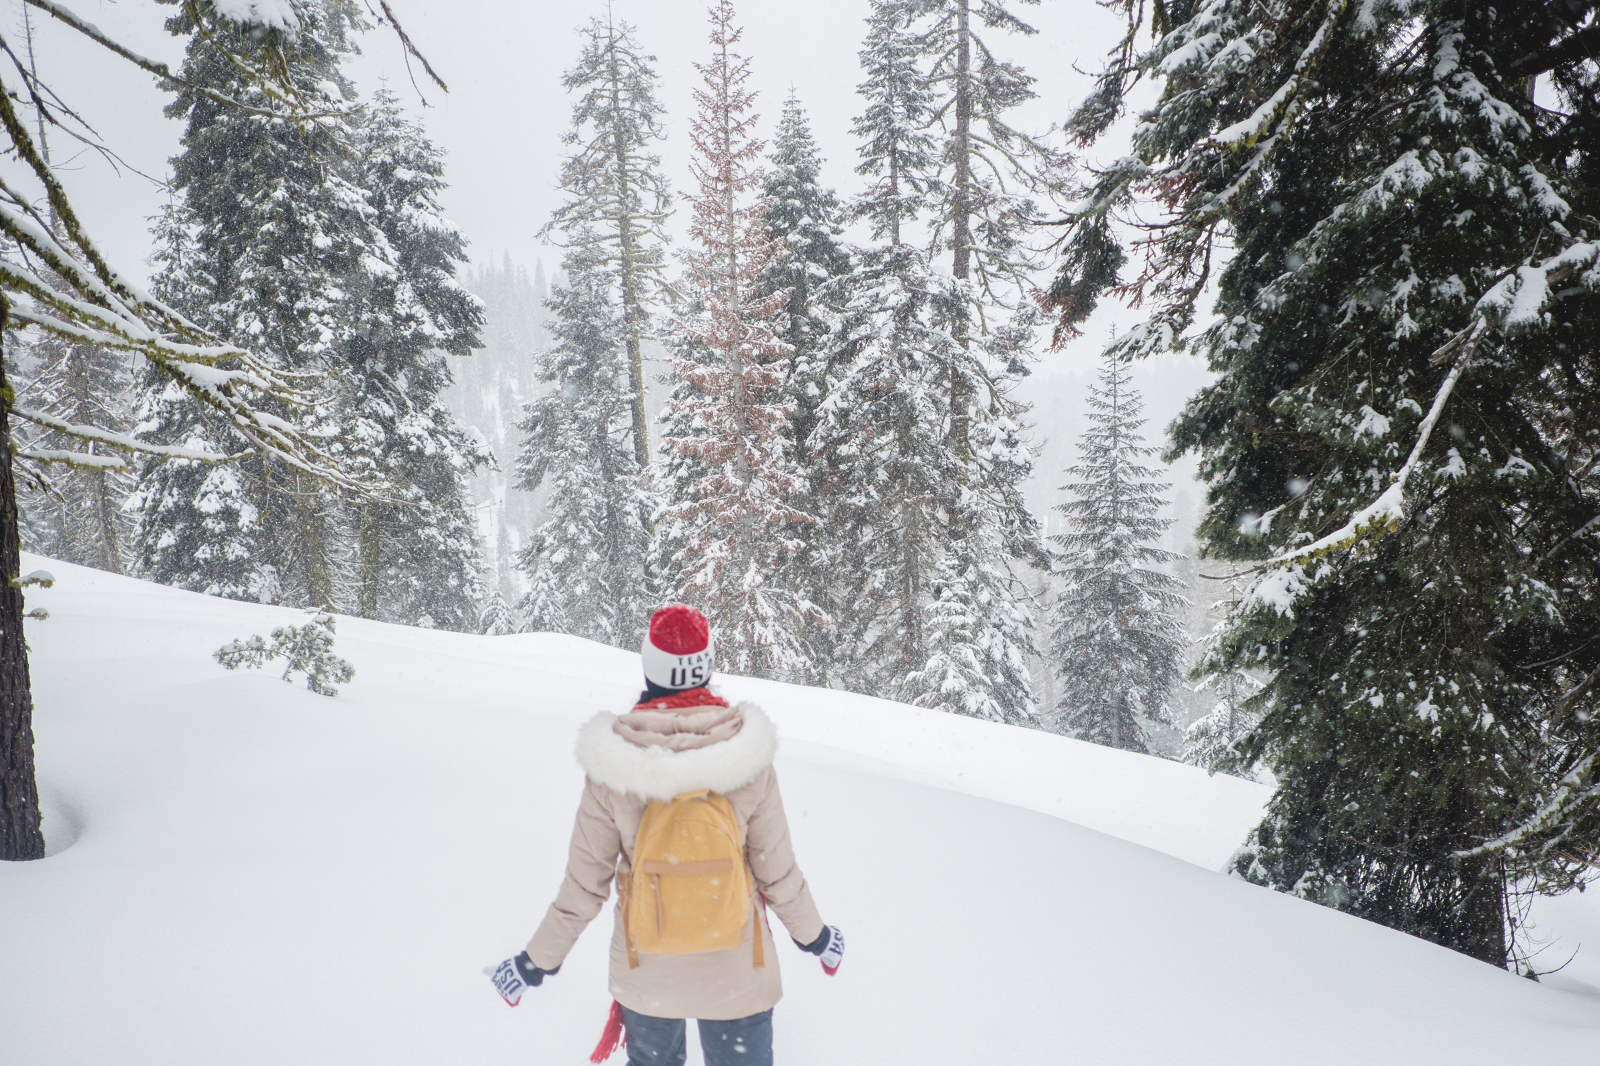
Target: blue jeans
660	1041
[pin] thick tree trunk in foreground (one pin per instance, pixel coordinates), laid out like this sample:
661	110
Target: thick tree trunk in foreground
1482	931
20	836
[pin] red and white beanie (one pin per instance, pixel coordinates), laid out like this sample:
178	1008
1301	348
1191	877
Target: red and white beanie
678	652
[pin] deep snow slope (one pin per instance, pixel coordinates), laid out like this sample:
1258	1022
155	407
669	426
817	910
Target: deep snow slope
244	872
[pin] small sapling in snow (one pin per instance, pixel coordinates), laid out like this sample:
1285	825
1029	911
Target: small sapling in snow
308	649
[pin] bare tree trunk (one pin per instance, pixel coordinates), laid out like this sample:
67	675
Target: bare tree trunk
633	321
632	312
370	549
961	220
105	513
313	547
20	835
1049	672
641	423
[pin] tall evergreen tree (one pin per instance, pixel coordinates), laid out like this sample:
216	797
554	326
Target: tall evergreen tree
981	194
618	199
988	169
988	166
1403	427
898	154
729	505
889	480
979	632
1118	648
587	441
270	246
197	525
586	562
809	220
417	553
920	530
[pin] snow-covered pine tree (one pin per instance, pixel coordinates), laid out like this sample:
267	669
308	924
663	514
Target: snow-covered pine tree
918	627
497	619
809	220
728	504
988	166
1403	427
586	442
979	632
898	155
617	197
78	516
586	563
417	558
196	526
888	479
270	246
982	192
1212	741
676	472
987	169
1116	643
920	531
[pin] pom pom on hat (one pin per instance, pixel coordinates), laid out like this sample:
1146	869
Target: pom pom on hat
680	630
678	652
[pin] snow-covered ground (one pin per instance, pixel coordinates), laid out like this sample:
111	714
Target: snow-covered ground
242	871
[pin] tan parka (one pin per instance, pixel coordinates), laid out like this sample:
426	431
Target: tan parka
623	777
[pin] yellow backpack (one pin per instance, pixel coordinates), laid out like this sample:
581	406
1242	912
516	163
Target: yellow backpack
690	889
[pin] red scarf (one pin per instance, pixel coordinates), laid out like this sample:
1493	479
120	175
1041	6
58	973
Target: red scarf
679	701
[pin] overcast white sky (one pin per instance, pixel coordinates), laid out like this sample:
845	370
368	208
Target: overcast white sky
502	120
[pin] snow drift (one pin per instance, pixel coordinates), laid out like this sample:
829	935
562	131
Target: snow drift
242	871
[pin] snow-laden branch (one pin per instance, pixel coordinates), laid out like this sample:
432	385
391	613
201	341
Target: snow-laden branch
1569	793
1388	509
120	441
277	15
1522	296
99	464
1265	128
1518	300
1283	104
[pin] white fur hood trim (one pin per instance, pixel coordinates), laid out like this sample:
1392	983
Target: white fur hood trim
659	774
